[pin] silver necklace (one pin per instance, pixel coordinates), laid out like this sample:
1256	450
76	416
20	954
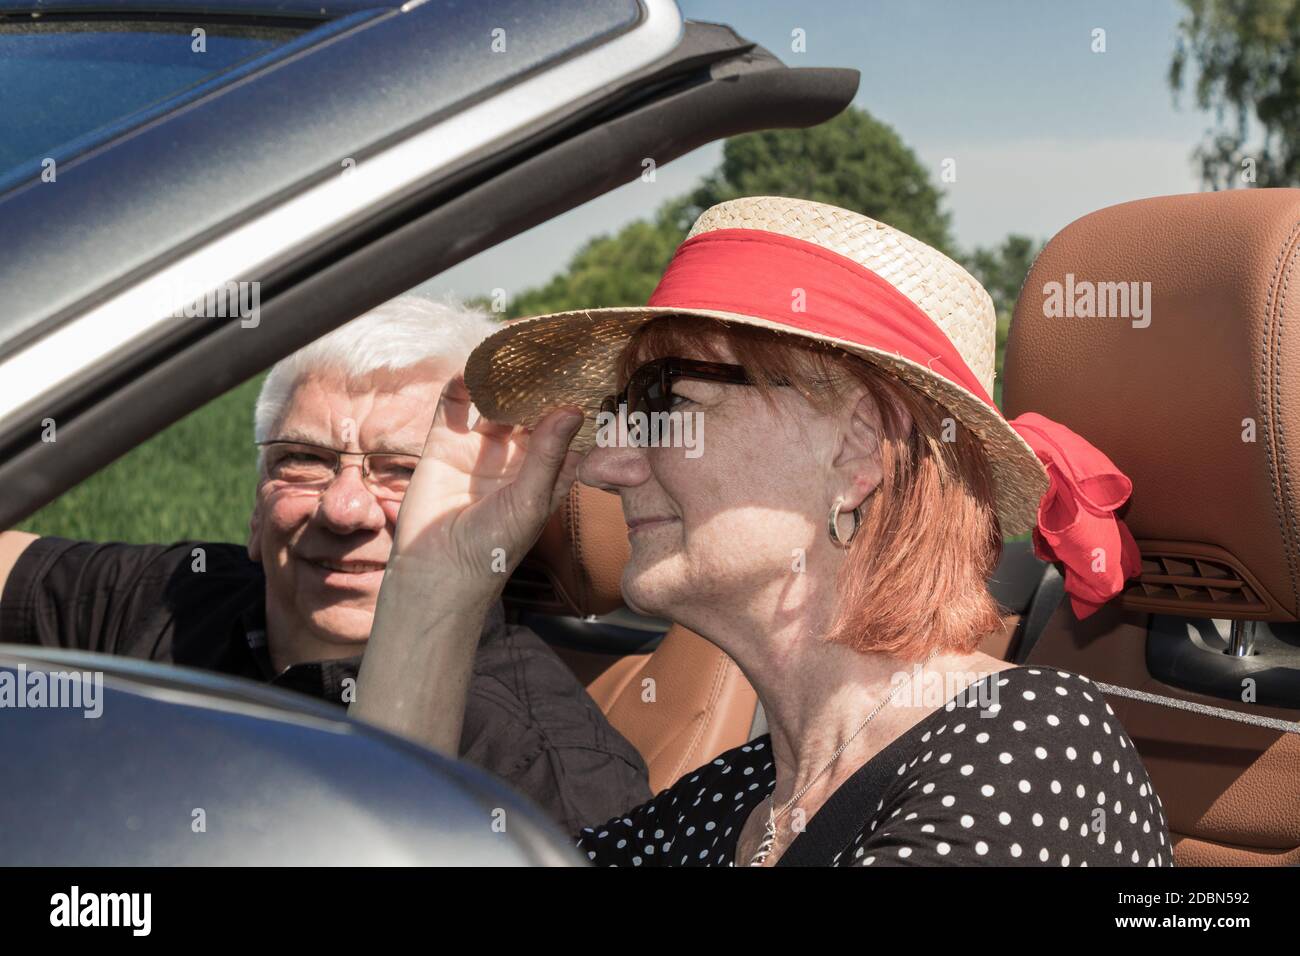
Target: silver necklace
769	833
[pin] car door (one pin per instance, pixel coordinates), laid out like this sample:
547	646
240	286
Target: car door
355	150
141	764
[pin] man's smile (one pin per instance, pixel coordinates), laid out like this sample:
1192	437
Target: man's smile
347	573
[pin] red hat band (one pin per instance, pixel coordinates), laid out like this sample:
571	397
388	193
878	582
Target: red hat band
807	288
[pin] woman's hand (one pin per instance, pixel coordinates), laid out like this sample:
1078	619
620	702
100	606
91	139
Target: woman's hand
477	502
481	495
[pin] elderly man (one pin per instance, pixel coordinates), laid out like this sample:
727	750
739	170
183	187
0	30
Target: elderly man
340	425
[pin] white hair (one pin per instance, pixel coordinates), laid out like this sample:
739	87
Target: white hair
401	333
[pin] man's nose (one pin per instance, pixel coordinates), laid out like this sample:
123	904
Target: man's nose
612	469
348	505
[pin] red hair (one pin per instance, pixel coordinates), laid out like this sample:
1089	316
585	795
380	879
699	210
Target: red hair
914	579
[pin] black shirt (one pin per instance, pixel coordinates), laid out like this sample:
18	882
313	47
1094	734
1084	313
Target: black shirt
527	718
1042	774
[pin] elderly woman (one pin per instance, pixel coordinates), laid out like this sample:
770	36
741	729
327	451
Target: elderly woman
834	537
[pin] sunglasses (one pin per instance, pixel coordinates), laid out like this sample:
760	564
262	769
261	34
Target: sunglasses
650	388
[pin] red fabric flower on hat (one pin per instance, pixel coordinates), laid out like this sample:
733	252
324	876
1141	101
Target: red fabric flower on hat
1077	524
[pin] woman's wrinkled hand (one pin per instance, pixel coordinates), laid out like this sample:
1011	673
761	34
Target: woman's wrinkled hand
482	494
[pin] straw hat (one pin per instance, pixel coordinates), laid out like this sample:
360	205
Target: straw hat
533	365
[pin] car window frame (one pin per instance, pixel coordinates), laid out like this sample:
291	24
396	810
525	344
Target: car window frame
162	190
715	84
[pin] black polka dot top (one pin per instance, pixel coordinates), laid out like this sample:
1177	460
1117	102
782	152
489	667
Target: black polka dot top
1027	767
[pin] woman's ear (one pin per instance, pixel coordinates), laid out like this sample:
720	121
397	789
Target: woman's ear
858	463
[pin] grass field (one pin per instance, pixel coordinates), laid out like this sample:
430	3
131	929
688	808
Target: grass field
194	480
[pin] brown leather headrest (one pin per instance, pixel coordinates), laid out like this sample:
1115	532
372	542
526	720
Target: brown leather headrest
1194	392
582	551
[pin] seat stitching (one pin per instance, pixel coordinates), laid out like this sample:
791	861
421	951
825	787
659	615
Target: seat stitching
1285	475
576	538
1271	360
702	720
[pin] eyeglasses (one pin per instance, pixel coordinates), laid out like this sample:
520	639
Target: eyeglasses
387	475
650	388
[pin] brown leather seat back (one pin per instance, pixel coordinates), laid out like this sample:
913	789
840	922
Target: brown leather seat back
1194	392
681	705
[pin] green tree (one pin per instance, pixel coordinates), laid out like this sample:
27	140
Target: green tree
622	269
1001	270
853	161
1246	54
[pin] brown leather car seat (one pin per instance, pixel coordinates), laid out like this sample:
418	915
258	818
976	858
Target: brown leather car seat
682	704
1199	405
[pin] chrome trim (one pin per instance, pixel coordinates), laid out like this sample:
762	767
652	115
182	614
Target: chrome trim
259	246
1241	640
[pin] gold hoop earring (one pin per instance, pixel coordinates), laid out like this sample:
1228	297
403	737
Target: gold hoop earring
834	524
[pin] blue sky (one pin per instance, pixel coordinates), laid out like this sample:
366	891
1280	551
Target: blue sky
1042	129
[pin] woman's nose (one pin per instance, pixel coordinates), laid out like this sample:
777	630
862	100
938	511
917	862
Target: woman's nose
612	469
